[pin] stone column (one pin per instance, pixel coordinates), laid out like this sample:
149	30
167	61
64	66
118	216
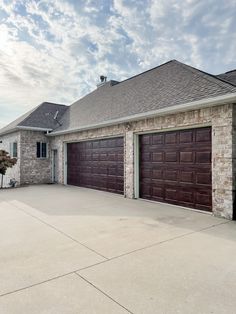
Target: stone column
57	143
222	161
61	162
129	164
234	160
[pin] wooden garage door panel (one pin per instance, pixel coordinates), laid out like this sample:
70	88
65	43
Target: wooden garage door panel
97	164
175	167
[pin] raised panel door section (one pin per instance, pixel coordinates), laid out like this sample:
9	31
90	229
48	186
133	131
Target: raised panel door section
97	164
175	167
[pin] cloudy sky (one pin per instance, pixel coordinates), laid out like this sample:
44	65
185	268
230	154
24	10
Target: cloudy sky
55	50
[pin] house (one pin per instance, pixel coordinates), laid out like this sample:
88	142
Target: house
166	135
26	140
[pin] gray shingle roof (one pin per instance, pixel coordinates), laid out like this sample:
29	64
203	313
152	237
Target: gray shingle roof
229	76
40	117
167	85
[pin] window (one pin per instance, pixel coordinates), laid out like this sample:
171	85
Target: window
38	150
13	149
41	150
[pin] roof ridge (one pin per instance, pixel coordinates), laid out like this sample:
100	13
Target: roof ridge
18	120
190	68
158	66
207	75
31	112
234	70
36	108
53	103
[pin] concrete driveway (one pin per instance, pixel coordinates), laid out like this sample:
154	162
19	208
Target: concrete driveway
73	250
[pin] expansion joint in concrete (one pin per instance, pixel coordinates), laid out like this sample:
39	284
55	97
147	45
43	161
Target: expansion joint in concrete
104	293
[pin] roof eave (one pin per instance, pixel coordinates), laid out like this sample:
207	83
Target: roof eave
26	128
8	131
31	128
203	103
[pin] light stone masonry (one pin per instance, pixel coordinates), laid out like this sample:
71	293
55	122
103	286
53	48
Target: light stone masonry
220	118
34	170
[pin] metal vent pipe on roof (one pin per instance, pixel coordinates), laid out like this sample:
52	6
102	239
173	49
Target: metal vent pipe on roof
103	78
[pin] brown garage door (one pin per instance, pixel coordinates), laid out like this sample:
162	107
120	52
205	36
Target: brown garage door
97	164
175	167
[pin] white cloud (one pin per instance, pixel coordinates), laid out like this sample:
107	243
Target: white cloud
56	50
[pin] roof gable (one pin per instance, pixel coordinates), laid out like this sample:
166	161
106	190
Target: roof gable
167	85
40	117
43	116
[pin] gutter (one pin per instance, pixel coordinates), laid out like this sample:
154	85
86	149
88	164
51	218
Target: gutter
8	131
32	128
198	104
27	128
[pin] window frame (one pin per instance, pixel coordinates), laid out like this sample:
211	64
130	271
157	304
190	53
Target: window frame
41	153
14	152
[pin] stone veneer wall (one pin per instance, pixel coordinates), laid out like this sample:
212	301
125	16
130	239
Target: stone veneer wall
58	142
14	172
219	117
34	170
234	160
222	161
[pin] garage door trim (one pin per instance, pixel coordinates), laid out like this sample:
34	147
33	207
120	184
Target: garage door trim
137	164
192	126
78	141
136	151
108	188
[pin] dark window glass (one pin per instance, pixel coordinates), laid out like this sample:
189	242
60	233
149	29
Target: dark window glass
44	150
38	152
41	150
14	150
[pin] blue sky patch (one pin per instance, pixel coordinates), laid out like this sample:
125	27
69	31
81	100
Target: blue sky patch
56	50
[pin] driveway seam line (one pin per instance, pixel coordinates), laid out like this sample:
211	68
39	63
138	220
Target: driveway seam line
169	240
121	255
104	293
44	281
36	284
153	245
60	231
61	276
108	260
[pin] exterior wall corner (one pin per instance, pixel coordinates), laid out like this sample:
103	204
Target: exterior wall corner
222	165
129	165
221	118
